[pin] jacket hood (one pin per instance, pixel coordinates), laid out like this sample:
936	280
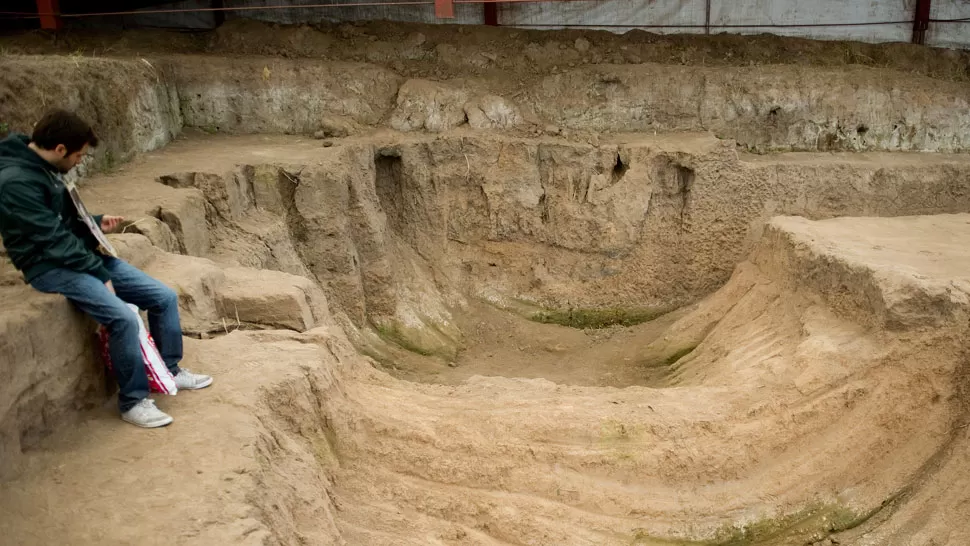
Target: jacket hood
15	153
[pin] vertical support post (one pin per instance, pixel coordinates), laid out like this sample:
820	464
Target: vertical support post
707	17
49	11
921	21
491	13
444	9
218	17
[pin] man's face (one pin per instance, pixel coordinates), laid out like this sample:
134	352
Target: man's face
68	161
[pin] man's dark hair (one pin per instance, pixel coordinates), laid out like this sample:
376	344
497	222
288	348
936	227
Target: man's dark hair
63	127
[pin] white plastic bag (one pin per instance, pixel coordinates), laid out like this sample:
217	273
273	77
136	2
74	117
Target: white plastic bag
160	380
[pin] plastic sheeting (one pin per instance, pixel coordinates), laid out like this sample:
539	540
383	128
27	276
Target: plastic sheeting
471	14
737	16
821	12
949	34
611	15
187	20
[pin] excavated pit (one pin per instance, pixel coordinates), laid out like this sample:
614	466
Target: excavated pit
454	253
530	310
793	404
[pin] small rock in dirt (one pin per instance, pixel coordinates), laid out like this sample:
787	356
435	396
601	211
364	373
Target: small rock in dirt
490	56
415	39
552	130
533	52
594	141
428	105
319	135
347	31
333	125
327	143
446	50
582	45
491	112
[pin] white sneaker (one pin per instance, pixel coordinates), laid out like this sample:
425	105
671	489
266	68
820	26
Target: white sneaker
191	381
144	414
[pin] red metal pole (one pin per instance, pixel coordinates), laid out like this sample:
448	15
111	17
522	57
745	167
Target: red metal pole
49	11
444	9
921	21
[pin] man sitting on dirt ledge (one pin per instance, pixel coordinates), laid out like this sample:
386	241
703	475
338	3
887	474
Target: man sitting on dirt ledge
47	239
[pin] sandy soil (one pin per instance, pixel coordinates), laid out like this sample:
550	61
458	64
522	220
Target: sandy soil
793	405
792	421
367	299
503	344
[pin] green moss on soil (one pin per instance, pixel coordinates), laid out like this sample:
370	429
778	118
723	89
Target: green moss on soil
598	318
803	527
807	525
392	335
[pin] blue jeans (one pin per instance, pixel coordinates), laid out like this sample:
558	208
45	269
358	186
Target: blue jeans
133	286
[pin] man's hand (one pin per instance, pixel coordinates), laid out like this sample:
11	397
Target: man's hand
110	287
109	223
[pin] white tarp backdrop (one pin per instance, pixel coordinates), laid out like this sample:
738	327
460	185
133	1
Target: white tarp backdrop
863	20
769	12
464	13
949	34
607	12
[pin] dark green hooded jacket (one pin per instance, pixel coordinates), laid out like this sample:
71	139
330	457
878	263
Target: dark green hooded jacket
39	223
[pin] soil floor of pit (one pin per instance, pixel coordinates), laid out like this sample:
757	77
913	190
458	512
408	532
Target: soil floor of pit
506	344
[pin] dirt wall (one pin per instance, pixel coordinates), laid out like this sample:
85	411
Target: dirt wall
655	222
271	95
401	227
131	103
763	108
49	367
767	108
421	50
765	93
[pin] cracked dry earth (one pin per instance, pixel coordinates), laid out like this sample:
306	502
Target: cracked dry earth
366	311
